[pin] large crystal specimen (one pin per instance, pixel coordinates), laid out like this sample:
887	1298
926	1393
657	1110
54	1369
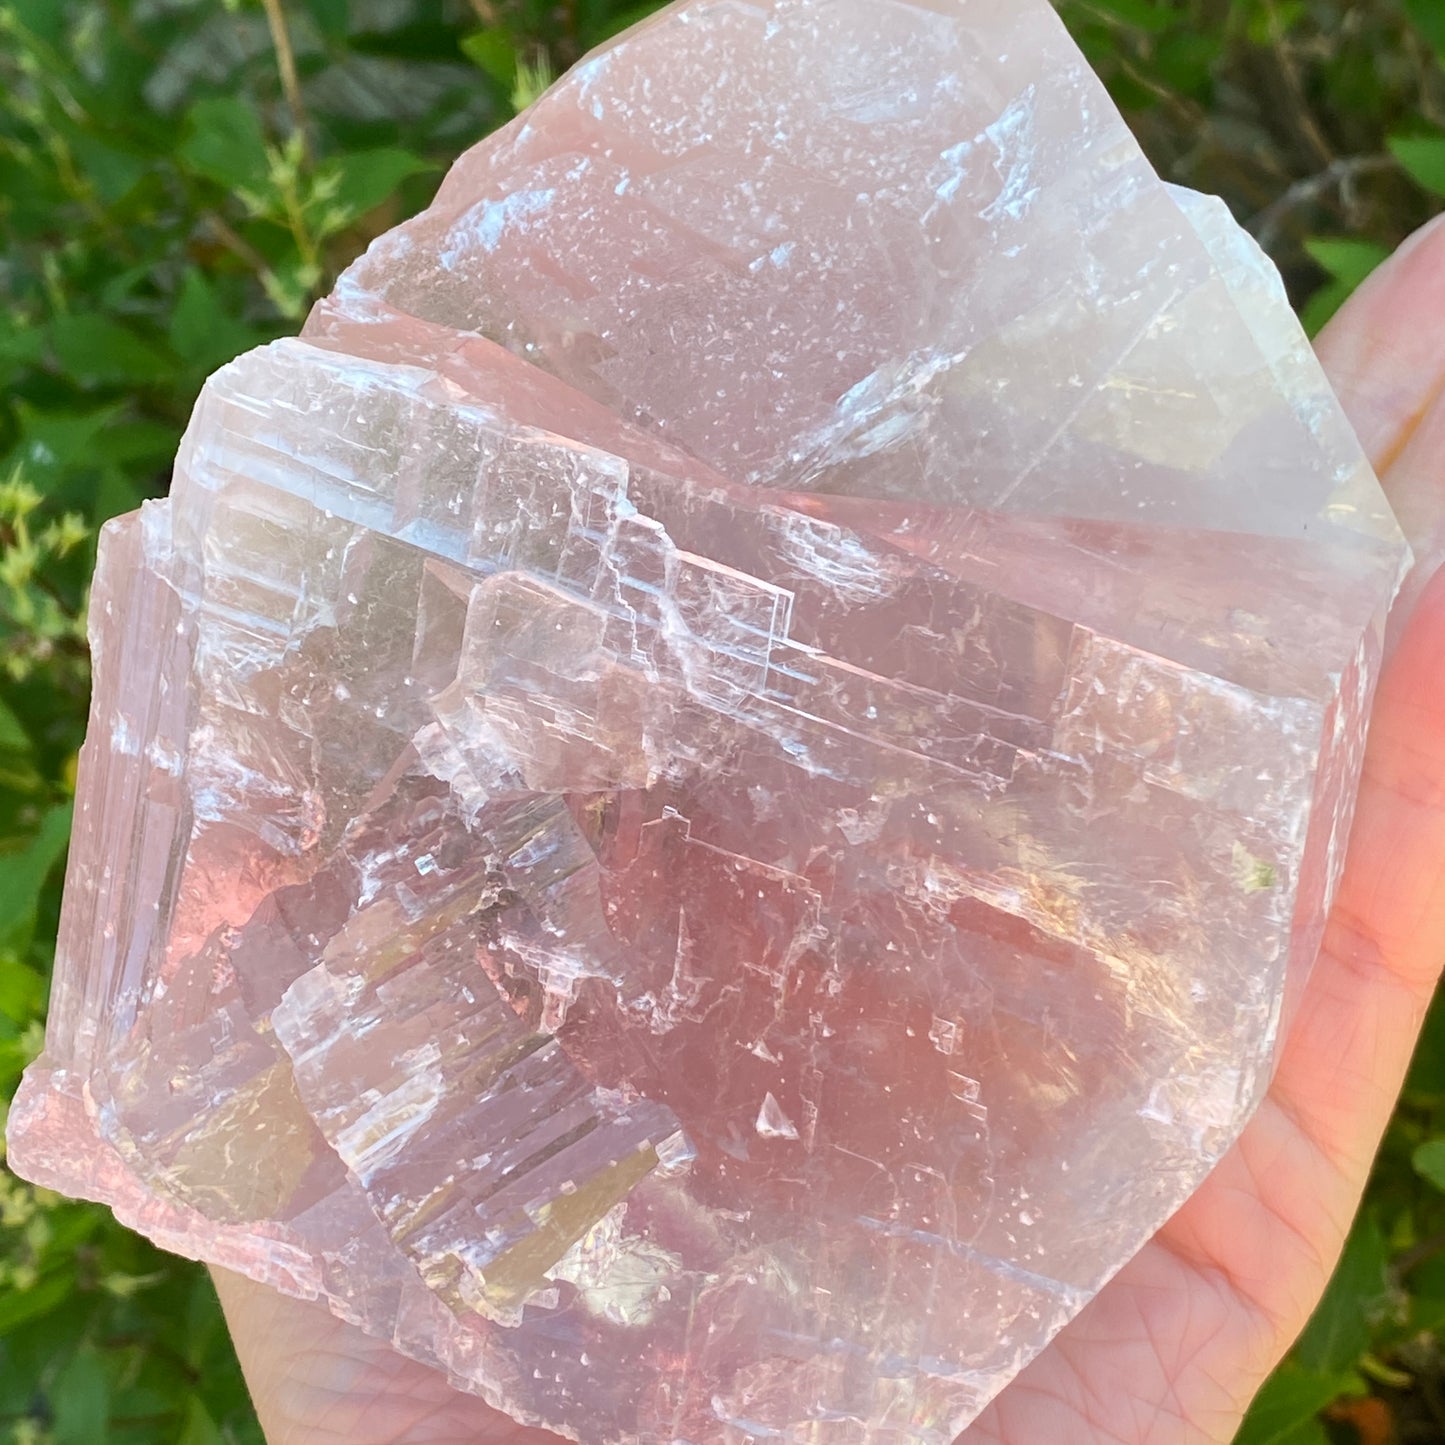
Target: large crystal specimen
705	802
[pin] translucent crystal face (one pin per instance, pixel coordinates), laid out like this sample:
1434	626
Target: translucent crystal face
704	803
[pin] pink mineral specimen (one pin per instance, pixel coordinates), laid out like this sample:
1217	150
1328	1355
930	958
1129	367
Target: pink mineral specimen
704	804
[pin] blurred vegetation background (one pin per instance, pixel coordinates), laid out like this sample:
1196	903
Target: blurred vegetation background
180	178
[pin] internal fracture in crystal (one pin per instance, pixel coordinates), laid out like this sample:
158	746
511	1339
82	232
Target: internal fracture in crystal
705	803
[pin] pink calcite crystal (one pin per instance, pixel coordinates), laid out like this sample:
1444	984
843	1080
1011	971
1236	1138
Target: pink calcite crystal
703	805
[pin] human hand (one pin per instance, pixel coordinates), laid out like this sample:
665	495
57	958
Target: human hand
1175	1347
1172	1350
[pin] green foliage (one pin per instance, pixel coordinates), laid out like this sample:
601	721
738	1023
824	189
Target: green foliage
167	200
1347	262
36	624
172	193
1319	121
1287	1410
1378	1330
1423	158
1357	1299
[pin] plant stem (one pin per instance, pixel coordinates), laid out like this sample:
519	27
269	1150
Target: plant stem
1299	106
236	243
1340	175
286	64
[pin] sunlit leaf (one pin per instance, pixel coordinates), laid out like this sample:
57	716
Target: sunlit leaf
1346	259
1339	1330
199	1428
1429	1162
495	53
1423	157
22	990
1286	1411
24	874
13	736
1348	263
1429	18
1427	1068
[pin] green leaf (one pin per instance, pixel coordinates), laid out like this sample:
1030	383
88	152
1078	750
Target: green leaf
199	1428
1346	260
1423	157
144	442
1286	1410
51	442
73	1223
608	26
1270	23
203	1322
1135	14
19	1307
1427	1069
119	290
332	17
16	1056
1339	1331
1428	17
225	143
116	493
361	181
1429	1162
113	172
96	350
44	18
24	875
1427	1295
202	332
493	52
21	343
22	990
80	1401
1348	263
420	40
533	78
1185	60
1323	306
13	737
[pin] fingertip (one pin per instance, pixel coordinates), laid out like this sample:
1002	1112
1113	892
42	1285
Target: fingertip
1385	350
1411	704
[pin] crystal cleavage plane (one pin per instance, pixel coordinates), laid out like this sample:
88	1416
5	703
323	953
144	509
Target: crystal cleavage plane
705	803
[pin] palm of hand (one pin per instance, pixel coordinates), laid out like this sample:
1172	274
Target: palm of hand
1172	1350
